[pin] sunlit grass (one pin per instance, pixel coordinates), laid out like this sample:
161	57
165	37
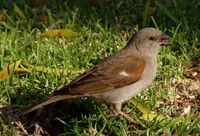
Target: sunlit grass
103	30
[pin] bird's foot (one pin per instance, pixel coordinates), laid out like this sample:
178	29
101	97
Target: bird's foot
126	116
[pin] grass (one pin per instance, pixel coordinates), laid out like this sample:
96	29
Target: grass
104	29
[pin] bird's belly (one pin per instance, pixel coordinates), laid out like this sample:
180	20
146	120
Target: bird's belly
123	94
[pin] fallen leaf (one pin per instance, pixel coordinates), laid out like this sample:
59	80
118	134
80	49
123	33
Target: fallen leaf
187	92
147	113
19	67
54	71
8	70
194	74
152	116
186	110
144	109
67	33
194	70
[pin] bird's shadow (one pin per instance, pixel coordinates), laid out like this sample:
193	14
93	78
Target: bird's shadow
51	119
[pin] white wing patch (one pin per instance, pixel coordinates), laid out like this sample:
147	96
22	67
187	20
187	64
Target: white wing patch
123	73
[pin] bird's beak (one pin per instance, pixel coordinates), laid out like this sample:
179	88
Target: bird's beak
165	40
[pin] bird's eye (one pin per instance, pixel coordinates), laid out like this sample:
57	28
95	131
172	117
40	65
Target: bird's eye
152	38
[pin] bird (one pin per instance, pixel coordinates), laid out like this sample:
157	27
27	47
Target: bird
117	78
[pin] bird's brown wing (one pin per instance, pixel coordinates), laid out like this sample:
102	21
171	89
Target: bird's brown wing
111	74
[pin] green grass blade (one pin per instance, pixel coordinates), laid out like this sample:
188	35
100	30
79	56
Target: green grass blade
146	14
195	125
154	22
167	12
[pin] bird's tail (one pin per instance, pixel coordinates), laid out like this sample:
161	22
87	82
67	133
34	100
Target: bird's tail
45	102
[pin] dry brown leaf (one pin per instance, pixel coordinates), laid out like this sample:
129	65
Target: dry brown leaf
186	98
194	74
193	71
186	110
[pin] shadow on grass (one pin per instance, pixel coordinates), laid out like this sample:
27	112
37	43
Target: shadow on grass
80	13
52	120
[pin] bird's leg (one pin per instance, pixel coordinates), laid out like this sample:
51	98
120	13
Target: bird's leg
117	108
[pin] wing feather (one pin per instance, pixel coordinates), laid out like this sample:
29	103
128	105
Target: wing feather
106	76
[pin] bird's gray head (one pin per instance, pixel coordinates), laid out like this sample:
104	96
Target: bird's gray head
148	41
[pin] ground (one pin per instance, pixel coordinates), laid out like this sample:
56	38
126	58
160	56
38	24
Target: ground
103	27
